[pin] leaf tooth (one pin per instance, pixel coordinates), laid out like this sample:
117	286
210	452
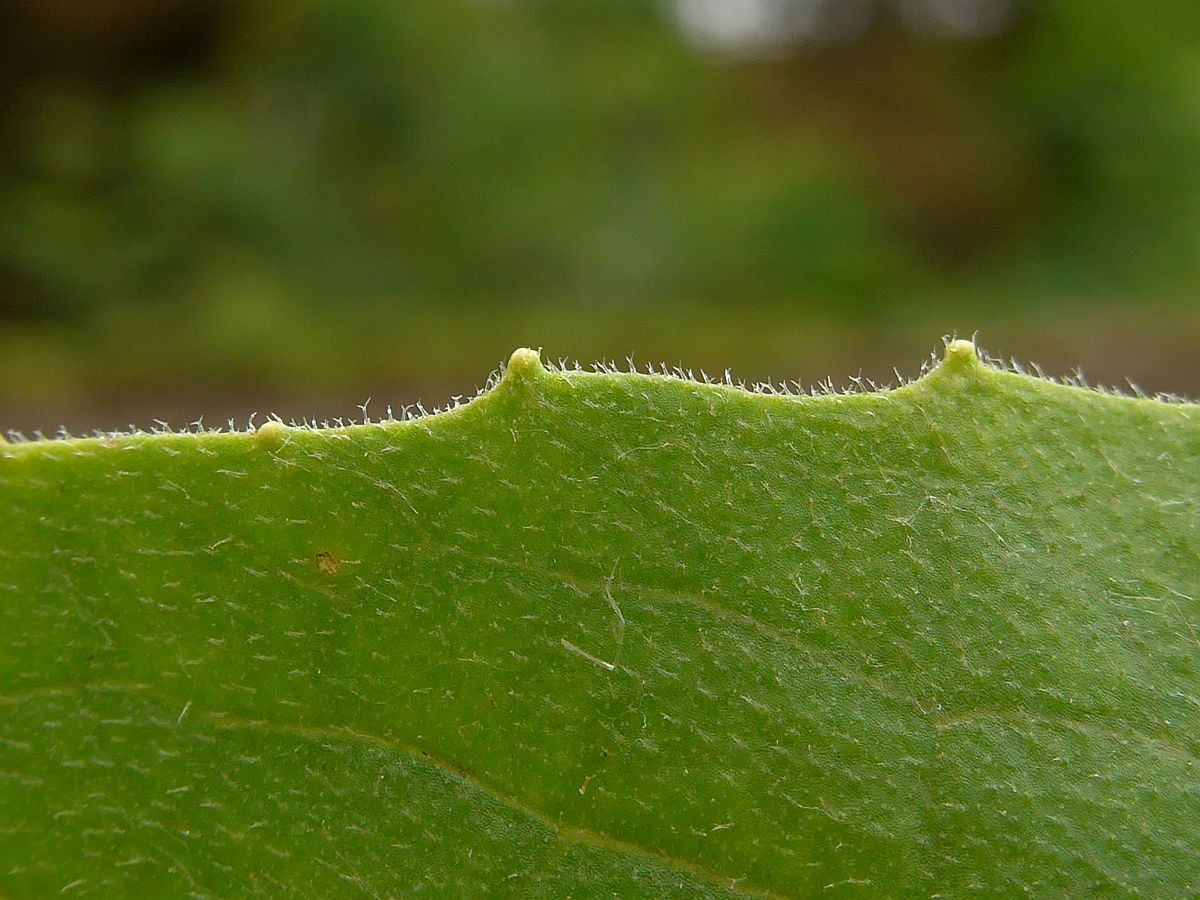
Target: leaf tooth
524	364
961	355
270	434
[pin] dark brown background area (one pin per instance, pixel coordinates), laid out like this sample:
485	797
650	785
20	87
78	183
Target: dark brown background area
210	208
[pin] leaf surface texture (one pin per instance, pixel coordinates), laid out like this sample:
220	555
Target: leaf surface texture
599	634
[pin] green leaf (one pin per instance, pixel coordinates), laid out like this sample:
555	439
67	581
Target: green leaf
610	634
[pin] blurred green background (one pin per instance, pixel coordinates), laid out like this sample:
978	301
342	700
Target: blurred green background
212	207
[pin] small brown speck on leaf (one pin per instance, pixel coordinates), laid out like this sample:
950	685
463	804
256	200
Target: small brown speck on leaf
327	563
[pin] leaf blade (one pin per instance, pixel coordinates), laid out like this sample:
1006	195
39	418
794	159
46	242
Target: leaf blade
697	636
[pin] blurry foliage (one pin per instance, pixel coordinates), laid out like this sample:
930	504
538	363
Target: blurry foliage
256	178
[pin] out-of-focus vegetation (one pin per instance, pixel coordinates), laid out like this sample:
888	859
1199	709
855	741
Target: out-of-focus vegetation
316	198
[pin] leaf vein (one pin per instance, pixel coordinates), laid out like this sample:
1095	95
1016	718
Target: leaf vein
564	832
